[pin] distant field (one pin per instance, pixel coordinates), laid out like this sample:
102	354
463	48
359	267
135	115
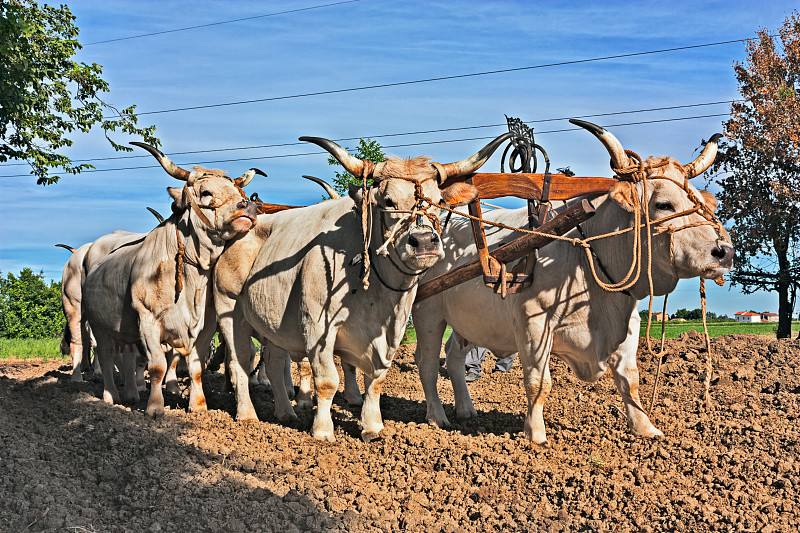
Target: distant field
50	348
31	349
716	329
674	329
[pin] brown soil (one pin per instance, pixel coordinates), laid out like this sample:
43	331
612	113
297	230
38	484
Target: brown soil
70	462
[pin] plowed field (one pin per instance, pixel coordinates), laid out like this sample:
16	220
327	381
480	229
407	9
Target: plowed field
69	462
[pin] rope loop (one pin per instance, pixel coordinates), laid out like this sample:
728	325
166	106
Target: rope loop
634	172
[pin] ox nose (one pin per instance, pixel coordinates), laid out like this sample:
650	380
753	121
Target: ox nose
424	241
724	254
243	204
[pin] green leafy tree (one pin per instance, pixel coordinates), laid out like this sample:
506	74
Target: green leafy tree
45	95
759	169
29	308
370	150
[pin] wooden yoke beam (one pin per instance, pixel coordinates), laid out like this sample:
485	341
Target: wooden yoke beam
515	249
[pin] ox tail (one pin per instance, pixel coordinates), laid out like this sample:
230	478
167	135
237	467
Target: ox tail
70	248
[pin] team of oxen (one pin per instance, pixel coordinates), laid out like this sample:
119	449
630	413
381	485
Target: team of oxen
340	278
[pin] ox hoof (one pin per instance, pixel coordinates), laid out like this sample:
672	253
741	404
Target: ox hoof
290	393
467	414
248	415
443	423
109	398
286	418
154	410
369	436
173	388
131	398
324	436
654	433
305	404
198	408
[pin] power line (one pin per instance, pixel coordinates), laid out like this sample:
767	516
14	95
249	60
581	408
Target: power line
222	22
439	78
426	143
386	135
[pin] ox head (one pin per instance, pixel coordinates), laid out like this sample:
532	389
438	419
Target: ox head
218	201
406	193
688	239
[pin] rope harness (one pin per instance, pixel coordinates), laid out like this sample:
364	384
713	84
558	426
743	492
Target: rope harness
419	211
180	257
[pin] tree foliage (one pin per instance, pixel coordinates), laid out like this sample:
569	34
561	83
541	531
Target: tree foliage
759	169
29	308
45	95
370	150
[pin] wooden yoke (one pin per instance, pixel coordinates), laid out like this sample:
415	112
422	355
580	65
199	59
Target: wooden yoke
540	187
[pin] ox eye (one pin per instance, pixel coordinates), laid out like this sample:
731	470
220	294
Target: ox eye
388	202
665	206
206	194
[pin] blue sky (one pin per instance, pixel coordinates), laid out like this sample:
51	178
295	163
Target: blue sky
375	42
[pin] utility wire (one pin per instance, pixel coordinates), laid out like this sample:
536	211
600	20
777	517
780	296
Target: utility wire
438	78
222	22
386	135
426	143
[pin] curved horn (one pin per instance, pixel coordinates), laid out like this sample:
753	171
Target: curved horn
172	169
248	176
352	164
156	214
472	164
70	248
325	185
704	160
618	157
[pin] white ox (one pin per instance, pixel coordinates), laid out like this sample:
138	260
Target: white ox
295	280
565	312
156	291
75	339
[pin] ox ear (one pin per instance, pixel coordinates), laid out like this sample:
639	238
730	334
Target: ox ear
356	191
459	194
623	193
180	201
710	200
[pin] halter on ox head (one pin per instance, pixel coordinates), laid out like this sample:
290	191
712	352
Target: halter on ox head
217	200
683	224
406	193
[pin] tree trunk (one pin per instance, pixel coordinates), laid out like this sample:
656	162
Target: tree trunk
783	285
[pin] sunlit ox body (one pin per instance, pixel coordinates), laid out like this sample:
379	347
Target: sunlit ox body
142	294
295	280
565	312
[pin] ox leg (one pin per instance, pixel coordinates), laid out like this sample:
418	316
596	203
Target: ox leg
105	353
237	332
535	359
76	350
274	361
456	357
171	378
371	420
251	369
130	393
305	393
261	374
194	361
352	394
287	376
326	382
429	347
150	332
141	364
626	377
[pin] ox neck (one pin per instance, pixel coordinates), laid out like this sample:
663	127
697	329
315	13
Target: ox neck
200	250
616	252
